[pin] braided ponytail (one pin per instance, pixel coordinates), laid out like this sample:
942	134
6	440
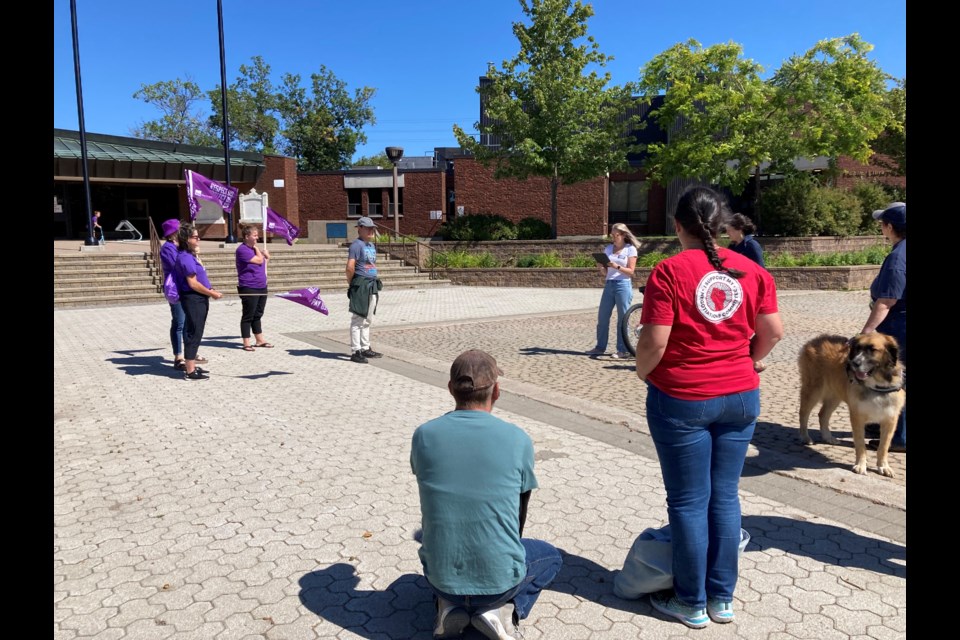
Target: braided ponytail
701	211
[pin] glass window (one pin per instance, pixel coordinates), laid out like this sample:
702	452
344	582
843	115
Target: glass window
354	202
628	201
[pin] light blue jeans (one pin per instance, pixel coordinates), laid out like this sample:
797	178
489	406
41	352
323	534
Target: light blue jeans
619	293
543	563
702	445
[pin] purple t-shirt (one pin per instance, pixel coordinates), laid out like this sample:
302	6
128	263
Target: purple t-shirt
249	274
168	258
187	265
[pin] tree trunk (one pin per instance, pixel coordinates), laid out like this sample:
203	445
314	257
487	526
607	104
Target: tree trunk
756	198
554	183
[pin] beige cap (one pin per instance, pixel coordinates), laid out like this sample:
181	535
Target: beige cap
474	370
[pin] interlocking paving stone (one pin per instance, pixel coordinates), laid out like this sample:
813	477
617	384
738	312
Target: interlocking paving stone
240	510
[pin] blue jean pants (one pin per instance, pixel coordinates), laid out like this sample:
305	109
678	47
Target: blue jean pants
543	564
898	329
701	445
619	293
177	318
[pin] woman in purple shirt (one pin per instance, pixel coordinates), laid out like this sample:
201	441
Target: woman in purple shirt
168	258
252	286
195	293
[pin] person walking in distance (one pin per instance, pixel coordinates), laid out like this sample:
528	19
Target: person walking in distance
363	290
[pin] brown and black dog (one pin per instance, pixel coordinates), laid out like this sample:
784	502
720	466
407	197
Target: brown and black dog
863	372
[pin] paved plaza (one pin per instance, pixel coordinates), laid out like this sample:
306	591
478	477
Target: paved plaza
275	500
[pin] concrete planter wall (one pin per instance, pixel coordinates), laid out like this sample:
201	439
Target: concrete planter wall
817	278
415	254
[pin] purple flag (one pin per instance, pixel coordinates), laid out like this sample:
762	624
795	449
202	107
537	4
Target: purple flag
309	297
281	226
207	189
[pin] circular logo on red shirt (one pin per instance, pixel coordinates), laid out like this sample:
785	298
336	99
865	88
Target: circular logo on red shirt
719	295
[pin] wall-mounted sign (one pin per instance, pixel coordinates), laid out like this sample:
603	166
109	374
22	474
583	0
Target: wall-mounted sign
278	184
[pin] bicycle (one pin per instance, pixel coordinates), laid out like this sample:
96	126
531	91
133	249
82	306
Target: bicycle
630	325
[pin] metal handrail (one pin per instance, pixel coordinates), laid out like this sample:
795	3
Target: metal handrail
155	252
403	240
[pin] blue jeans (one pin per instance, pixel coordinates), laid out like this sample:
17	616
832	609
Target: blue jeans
543	564
897	328
702	445
619	292
177	318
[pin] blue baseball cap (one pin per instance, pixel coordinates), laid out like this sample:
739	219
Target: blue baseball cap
895	214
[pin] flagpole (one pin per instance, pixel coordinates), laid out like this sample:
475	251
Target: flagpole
231	239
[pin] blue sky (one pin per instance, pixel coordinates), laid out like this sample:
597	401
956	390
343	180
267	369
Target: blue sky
423	57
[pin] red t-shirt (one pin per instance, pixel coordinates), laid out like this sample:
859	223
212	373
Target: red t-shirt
713	316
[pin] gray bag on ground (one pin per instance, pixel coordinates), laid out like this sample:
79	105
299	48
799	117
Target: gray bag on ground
649	564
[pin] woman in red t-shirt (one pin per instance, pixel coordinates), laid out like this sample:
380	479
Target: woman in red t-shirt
708	314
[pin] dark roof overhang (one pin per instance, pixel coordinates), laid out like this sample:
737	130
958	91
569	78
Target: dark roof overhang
120	159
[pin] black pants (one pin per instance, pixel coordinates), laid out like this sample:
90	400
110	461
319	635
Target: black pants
195	307
253	306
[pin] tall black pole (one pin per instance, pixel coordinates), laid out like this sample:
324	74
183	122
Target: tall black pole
231	239
90	241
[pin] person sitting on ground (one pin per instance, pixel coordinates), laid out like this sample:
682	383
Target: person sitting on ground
475	474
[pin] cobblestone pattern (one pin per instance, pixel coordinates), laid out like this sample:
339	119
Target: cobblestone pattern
275	500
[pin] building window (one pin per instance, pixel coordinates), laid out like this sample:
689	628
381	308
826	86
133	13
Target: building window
374	203
628	201
354	203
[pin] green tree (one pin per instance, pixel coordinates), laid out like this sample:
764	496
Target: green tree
893	141
252	104
182	120
831	101
323	131
377	160
553	119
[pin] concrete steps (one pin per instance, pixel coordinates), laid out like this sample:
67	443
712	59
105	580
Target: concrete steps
116	279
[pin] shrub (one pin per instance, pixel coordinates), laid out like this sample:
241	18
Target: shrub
533	229
872	196
462	260
477	227
871	255
581	260
799	206
651	259
549	260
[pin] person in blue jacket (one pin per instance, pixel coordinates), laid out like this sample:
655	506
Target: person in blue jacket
888	298
741	230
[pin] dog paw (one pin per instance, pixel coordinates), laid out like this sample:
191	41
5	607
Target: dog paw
805	439
829	440
885	470
860	468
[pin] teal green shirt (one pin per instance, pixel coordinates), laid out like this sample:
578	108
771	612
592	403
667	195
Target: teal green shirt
471	468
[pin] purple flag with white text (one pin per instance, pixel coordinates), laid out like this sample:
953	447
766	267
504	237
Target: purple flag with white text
204	188
309	297
281	226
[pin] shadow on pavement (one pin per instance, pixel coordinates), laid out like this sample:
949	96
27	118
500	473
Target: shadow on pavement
779	448
540	351
584	578
147	365
826	543
404	609
317	353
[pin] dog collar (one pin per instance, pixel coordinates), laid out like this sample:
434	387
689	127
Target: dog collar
884	389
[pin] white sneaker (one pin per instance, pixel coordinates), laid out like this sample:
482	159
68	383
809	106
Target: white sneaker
451	620
496	624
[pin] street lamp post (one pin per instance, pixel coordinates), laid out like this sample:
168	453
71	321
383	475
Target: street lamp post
394	154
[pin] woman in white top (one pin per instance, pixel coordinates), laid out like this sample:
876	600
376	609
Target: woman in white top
618	289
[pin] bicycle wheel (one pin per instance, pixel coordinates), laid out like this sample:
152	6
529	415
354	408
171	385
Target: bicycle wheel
630	327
